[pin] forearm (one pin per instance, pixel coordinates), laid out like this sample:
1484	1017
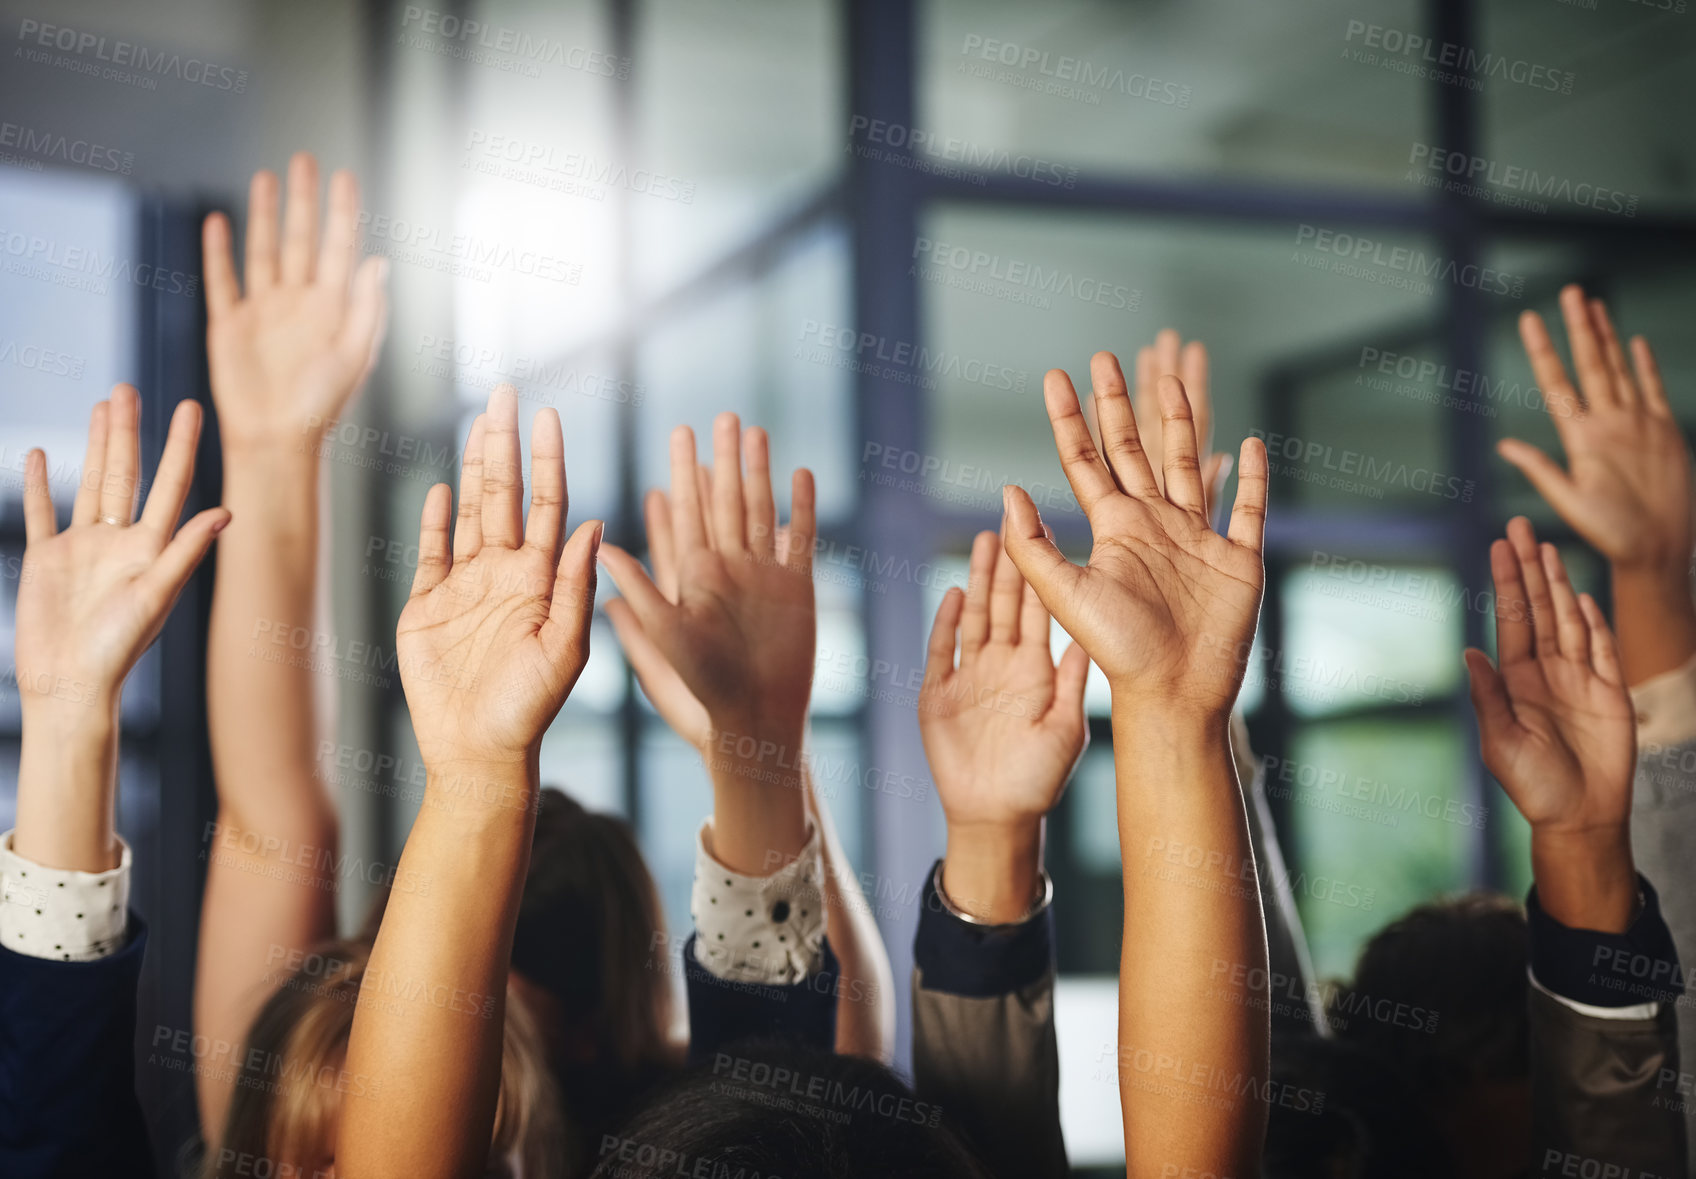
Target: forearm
759	799
1656	620
865	1017
263	696
67	779
1193	1024
428	1027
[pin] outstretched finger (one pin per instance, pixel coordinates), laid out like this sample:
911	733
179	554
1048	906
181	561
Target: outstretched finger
300	221
1006	596
1545	639
803	522
571	609
1604	650
758	504
1248	514
219	265
468	528
548	497
1571	633
261	231
1194	371
1649	377
689	527
175	476
1513	605
980	579
1120	438
939	654
728	511
662	552
341	231
1490	701
1033	617
1614	354
1085	471
40	522
121	472
637	588
435	559
1181	457
85	509
1545	474
1547	369
1594	376
503	472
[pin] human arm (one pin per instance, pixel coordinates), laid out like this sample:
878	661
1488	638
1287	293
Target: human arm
286	355
1166	608
489	644
1626	487
91	599
1556	729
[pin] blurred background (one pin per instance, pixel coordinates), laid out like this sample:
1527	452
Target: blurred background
871	227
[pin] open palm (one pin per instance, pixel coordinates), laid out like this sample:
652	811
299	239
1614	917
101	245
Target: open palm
496	631
1556	722
733	615
286	357
1626	488
92	598
1166	607
1004	728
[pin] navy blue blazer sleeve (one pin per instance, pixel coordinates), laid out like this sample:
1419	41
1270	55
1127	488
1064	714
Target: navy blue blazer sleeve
722	1012
68	1108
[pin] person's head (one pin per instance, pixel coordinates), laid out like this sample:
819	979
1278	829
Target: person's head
291	1080
1440	996
584	946
787	1110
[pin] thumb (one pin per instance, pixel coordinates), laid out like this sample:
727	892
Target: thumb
1040	562
172	568
1547	476
1497	724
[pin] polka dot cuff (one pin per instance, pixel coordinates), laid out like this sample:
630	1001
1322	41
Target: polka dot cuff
68	915
759	929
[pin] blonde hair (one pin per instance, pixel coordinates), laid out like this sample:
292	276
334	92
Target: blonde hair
292	1078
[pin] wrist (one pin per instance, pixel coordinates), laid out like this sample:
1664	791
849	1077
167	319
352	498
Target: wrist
736	756
492	783
991	871
67	710
1586	878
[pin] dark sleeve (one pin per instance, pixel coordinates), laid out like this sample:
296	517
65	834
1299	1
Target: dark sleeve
722	1012
983	1035
1607	1095
67	1066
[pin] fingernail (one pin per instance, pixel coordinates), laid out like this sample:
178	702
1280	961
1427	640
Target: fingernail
220	525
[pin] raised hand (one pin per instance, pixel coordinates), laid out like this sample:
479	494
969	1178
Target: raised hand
1558	732
497	628
1555	717
1170	356
725	643
287	356
734	612
1166	607
1002	730
1005	727
91	599
1627	491
664	688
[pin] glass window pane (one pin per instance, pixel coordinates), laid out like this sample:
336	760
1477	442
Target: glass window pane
1361	634
1379	825
706	71
1293	94
1574	107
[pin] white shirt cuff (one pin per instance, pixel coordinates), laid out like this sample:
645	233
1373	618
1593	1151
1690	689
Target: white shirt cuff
58	913
1635	1011
759	929
1666	708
